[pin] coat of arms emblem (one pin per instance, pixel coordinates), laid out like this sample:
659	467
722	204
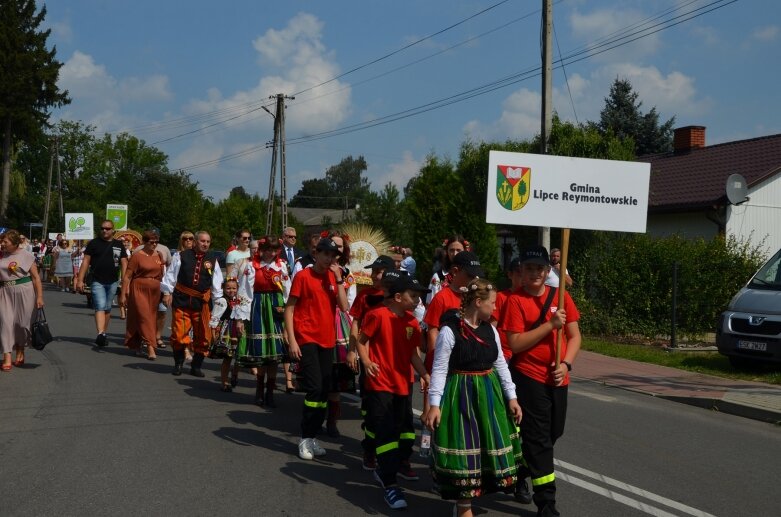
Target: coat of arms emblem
513	185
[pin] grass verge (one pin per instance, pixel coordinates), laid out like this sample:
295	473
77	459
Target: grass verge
711	363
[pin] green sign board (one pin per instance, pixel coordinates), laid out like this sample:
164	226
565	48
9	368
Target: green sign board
117	214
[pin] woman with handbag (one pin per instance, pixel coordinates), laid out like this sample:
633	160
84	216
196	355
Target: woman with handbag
21	293
141	294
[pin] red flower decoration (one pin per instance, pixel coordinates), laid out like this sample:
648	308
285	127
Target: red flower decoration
324	234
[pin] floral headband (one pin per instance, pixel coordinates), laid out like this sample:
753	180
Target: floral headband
325	234
474	287
446	243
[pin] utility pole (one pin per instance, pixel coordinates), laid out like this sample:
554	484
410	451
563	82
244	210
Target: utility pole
59	180
277	147
48	195
547	93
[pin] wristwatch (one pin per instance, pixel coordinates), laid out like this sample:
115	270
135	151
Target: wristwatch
569	365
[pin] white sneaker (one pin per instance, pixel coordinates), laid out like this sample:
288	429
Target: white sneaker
317	449
305	451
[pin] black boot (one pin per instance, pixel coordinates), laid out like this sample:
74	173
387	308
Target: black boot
269	398
259	400
178	362
195	366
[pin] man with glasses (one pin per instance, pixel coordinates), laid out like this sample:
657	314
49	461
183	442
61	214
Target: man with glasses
192	280
104	258
290	253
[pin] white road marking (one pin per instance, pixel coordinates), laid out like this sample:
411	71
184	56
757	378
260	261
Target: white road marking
614	496
632	489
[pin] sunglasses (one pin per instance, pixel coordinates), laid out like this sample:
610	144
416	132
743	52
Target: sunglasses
106	229
188	238
153	242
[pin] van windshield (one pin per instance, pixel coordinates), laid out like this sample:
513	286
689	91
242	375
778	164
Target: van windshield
769	277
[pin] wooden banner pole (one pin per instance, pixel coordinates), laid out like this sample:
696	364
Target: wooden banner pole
562	287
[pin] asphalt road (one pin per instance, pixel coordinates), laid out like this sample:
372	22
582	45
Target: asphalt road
88	431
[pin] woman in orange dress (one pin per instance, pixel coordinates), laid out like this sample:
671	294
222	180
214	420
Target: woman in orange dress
141	294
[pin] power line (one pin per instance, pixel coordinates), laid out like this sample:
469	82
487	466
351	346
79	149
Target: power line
158	126
491	86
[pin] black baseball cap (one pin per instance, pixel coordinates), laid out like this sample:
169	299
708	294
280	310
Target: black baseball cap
397	281
327	245
468	261
535	255
382	262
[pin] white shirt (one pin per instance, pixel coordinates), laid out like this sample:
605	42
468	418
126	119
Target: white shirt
172	273
445	343
553	278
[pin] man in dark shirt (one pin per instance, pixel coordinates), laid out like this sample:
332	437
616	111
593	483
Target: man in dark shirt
103	257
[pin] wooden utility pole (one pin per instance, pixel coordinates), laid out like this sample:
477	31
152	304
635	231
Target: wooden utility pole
547	93
47	203
278	147
59	180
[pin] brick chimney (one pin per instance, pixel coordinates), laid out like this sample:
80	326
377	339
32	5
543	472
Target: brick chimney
688	138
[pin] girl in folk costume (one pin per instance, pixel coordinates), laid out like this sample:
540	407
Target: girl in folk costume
473	408
343	375
230	315
453	245
265	346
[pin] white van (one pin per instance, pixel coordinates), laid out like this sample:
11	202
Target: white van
749	330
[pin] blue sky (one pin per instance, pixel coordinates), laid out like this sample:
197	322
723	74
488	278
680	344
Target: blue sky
159	71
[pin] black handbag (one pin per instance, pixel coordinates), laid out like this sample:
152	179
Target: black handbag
42	336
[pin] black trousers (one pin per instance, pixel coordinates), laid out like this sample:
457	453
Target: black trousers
316	365
389	419
544	414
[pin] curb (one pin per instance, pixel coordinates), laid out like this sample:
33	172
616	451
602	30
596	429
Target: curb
769	416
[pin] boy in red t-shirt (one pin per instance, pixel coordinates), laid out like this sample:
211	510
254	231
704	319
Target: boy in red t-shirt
541	385
389	342
367	299
514	274
311	334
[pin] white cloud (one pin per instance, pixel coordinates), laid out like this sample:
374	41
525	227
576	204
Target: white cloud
596	27
671	94
62	31
103	100
399	173
769	33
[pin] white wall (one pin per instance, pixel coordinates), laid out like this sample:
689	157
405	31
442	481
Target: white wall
691	225
758	221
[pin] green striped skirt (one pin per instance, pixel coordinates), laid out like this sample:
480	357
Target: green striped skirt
264	343
476	446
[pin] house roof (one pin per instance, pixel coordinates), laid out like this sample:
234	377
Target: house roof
314	216
697	178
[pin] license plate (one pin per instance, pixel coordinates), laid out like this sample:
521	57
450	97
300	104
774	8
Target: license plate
752	345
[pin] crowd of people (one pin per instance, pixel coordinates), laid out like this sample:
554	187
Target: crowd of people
495	387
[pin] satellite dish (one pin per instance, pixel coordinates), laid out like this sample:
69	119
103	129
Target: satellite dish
737	189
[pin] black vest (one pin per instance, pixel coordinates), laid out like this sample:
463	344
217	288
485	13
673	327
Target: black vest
469	355
186	278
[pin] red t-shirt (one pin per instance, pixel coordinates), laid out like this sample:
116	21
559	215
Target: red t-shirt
313	317
501	298
521	310
360	305
392	341
442	302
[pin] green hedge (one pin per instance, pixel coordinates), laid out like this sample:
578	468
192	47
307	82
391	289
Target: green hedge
623	282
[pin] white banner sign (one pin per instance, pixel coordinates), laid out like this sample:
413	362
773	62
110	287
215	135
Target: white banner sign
79	226
563	192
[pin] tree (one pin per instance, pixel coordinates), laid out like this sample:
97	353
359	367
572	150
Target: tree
28	81
343	184
622	116
385	210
